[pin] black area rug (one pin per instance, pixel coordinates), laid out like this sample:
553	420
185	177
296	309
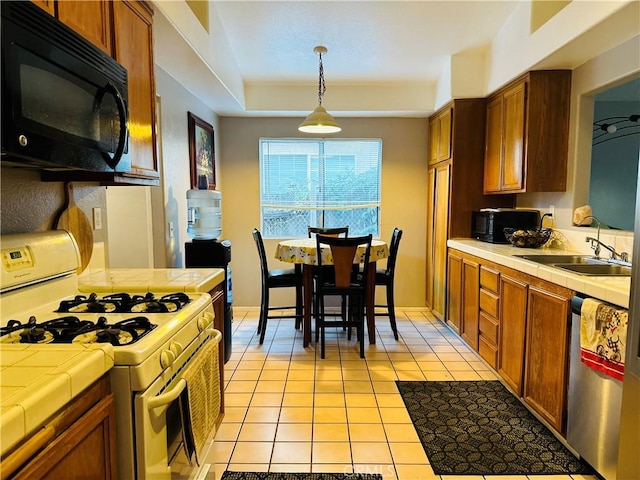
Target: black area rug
480	428
227	475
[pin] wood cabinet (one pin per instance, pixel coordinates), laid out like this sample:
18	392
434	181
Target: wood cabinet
488	316
123	29
519	325
546	364
454	291
527	134
91	19
438	215
455	187
512	318
470	302
84	441
134	50
440	136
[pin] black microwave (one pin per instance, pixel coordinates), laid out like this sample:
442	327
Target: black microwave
64	101
488	224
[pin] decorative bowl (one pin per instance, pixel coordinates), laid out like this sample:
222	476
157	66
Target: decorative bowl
528	238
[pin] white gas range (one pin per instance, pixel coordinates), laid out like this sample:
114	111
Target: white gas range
155	337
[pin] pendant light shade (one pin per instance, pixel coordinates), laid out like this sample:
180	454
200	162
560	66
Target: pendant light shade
319	121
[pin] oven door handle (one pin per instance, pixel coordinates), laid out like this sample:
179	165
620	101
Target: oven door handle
168	397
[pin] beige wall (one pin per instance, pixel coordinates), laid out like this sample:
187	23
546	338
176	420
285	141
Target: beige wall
404	194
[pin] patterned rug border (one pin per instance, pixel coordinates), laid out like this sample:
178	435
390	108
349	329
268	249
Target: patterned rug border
483	429
231	475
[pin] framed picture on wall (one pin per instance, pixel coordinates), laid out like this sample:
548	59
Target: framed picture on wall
201	154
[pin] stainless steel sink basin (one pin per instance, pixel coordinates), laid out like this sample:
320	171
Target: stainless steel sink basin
556	259
597	269
582	264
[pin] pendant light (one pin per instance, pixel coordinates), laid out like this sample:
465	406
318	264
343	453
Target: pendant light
319	121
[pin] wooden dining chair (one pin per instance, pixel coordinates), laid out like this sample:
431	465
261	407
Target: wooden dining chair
385	277
342	281
283	278
330	232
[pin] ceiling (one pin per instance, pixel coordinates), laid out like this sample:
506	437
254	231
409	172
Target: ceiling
385	58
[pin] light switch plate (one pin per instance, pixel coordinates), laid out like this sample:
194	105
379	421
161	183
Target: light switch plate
97	218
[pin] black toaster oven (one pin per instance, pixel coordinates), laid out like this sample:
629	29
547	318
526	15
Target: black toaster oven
488	224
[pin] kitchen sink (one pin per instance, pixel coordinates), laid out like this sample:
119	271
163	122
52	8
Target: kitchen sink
602	269
556	259
582	264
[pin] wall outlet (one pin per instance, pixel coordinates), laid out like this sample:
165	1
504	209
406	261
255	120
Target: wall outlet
97	218
552	211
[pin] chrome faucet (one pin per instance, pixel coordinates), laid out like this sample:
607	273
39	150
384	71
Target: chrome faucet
596	244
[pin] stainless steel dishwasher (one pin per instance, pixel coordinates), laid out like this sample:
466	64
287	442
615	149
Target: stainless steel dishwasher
593	418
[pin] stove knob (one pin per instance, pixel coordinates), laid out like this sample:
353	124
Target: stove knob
204	321
167	357
175	348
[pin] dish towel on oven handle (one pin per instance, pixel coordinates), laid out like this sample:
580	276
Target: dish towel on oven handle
200	400
603	336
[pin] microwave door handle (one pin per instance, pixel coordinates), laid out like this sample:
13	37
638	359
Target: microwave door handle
122	138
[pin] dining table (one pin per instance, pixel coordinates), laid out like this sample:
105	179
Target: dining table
304	251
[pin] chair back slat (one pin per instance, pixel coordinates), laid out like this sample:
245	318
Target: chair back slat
344	254
329	231
343	260
393	251
257	237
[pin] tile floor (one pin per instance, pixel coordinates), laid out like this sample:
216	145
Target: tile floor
288	410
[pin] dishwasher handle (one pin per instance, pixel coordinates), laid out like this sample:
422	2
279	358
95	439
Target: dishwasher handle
576	304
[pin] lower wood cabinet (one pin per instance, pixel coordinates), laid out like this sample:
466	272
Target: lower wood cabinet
519	324
84	443
545	376
513	319
470	301
454	291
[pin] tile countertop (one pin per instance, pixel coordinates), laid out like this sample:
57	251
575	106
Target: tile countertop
607	288
114	280
36	381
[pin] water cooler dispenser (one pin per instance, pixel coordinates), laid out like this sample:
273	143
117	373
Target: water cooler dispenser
206	251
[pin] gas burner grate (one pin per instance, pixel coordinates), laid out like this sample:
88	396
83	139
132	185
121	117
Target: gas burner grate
124	303
70	329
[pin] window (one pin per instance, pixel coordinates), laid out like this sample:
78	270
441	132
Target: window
319	182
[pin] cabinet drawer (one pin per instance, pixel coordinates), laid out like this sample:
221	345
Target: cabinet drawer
489	302
489	328
488	352
489	279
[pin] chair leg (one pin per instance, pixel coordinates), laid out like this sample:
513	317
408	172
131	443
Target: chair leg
320	321
392	311
343	312
264	313
360	329
299	311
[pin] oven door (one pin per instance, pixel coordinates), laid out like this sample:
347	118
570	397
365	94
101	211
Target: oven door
159	421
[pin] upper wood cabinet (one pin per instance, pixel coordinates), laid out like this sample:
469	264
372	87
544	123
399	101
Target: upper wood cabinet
527	134
90	18
440	136
456	146
134	51
123	29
